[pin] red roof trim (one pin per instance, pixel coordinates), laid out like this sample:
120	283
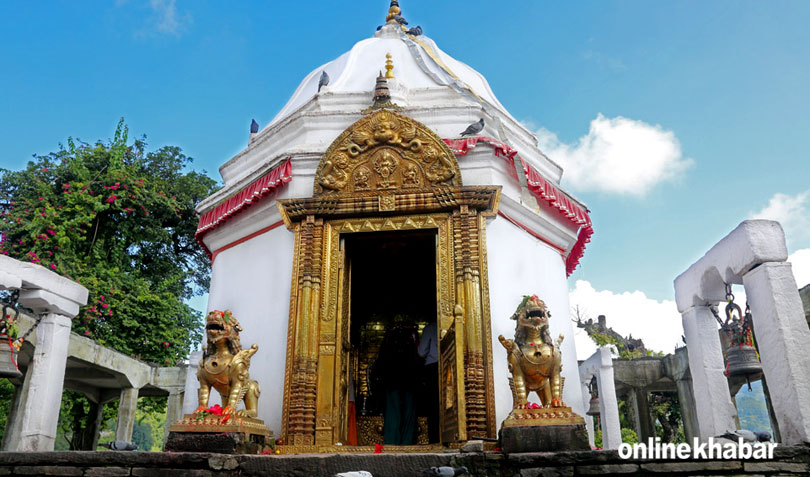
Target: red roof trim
268	184
540	188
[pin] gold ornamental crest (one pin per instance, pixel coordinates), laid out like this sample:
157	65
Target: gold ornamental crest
386	151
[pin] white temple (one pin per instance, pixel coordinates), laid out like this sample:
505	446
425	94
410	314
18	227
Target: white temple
524	236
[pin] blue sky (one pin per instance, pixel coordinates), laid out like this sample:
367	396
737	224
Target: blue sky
723	83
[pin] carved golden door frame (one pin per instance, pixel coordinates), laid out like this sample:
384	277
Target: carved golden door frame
387	172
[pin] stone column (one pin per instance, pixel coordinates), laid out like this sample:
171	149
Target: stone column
190	399
40	411
600	364
646	428
586	399
632	412
715	411
783	338
14	419
174	412
608	404
127	406
688	410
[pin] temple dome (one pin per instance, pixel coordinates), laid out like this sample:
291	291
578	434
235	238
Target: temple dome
419	65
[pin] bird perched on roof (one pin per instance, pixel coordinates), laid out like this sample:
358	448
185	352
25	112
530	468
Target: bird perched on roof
400	19
746	436
120	446
323	81
474	128
354	473
445	471
254	126
415	31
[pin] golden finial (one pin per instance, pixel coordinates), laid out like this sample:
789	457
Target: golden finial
393	11
389	65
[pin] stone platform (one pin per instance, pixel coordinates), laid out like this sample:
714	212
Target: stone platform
788	461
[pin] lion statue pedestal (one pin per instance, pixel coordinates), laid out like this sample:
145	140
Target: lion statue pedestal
535	363
224	367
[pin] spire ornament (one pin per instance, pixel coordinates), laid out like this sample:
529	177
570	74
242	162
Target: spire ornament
389	65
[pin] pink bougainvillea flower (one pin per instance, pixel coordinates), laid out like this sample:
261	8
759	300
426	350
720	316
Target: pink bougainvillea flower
53	266
87	333
42	198
111	198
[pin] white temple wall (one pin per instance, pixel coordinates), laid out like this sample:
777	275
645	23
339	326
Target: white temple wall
252	280
520	265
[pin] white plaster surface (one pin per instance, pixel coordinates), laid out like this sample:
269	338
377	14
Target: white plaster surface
522	265
9	281
40	411
586	401
715	411
600	364
784	339
191	384
751	243
252	280
43	301
35	276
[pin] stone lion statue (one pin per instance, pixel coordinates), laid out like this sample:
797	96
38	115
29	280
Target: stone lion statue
224	367
534	360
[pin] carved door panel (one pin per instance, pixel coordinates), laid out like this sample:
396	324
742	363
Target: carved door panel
344	346
452	408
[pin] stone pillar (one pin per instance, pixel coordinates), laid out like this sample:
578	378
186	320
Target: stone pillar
600	364
783	338
40	411
127	406
715	411
190	399
14	419
586	399
174	412
646	428
632	411
97	424
688	411
608	404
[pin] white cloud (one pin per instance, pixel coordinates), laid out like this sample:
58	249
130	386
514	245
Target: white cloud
618	156
793	212
658	323
800	261
167	19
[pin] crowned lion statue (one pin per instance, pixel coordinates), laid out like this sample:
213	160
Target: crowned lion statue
224	367
534	359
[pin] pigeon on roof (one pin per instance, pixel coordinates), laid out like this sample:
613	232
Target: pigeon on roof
415	31
254	126
324	80
400	19
474	128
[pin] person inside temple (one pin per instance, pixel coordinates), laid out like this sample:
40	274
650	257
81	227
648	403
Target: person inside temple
429	398
397	371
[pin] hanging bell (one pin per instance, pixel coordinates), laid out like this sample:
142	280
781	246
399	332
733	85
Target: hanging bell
8	358
593	407
743	361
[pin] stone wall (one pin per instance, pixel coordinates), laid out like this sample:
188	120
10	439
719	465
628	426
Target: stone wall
787	461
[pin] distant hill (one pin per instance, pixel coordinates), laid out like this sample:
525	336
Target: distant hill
752	409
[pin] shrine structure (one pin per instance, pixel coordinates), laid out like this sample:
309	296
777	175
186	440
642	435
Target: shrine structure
358	208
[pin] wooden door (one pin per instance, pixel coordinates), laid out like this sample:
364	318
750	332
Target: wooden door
452	409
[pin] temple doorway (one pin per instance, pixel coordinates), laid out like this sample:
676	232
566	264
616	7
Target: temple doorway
393	311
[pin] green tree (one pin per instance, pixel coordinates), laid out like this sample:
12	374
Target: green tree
119	220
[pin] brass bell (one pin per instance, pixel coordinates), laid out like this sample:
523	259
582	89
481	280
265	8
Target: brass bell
7	360
743	361
593	407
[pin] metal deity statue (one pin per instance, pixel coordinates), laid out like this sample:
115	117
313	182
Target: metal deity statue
534	359
535	362
225	367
